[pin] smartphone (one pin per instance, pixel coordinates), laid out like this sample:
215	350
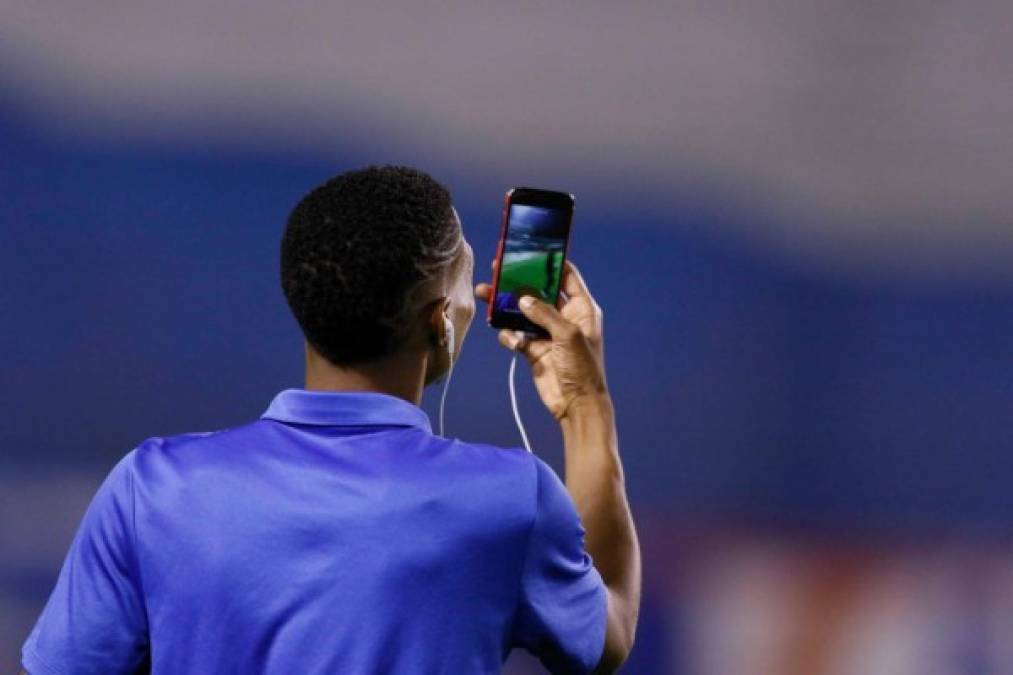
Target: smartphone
532	247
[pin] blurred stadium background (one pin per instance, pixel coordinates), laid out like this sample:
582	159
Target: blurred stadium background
797	216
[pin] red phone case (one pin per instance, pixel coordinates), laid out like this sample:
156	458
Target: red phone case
499	253
507	203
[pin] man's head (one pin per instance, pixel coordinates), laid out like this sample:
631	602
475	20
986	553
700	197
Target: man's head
371	262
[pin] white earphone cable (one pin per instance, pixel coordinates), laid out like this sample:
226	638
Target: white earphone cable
513	403
443	396
513	399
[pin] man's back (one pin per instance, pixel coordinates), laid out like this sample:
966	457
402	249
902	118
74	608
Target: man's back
335	534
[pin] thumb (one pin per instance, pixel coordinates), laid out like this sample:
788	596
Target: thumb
546	316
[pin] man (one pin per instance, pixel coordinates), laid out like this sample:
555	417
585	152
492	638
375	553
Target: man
337	533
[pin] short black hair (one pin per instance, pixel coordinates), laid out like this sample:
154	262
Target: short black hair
353	250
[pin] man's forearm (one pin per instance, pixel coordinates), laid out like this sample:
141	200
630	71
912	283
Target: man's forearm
594	479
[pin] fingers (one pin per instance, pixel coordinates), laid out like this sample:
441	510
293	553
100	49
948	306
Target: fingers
573	283
483	291
548	317
517	341
511	339
541	313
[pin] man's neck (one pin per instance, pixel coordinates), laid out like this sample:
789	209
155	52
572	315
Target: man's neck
401	375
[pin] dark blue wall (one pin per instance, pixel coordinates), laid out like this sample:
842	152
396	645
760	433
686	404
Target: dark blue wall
140	297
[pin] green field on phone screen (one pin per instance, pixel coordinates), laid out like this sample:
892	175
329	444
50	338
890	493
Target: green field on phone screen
535	272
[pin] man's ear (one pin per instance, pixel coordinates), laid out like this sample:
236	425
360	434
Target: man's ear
436	311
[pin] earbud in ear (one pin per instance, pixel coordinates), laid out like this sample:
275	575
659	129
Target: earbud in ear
448	327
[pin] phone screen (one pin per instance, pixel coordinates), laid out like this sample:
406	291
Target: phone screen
533	250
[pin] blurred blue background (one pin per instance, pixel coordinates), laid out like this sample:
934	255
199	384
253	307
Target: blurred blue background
798	222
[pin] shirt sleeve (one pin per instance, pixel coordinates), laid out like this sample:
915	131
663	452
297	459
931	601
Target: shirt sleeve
563	607
95	621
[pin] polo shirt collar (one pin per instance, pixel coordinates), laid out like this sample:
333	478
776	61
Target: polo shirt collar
345	408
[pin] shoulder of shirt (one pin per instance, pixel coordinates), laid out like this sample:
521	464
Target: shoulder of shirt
505	452
516	456
515	473
515	460
183	441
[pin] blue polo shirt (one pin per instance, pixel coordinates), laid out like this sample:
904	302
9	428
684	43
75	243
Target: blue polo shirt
336	534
